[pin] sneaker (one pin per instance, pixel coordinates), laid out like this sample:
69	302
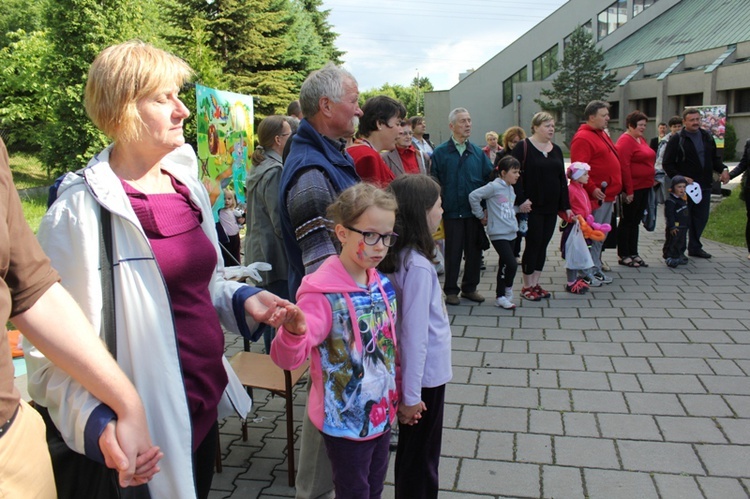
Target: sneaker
530	294
523	227
672	262
577	288
452	300
602	278
503	302
473	296
592	281
542	292
509	294
605	267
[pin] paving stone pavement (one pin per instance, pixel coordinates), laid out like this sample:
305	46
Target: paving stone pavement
638	389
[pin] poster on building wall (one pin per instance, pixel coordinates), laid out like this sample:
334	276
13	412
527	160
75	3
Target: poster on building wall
225	131
714	121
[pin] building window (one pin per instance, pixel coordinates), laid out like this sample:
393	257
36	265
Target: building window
646	106
586	27
518	77
612	18
544	65
742	100
641	5
614	110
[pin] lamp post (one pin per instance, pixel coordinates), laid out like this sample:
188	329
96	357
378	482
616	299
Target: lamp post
518	98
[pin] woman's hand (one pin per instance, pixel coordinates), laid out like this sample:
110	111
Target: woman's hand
125	450
270	309
571	216
525	207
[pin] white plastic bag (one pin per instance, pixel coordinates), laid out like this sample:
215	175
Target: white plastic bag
577	255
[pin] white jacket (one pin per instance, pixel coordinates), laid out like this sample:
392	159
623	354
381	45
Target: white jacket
146	336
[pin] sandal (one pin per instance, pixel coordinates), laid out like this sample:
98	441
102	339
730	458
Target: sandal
543	293
628	262
637	259
530	294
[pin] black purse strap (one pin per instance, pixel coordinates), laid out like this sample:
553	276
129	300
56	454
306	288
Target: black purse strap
108	286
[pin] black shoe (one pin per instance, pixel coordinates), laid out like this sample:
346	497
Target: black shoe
699	254
683	260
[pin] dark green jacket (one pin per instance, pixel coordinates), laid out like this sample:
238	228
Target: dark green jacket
459	175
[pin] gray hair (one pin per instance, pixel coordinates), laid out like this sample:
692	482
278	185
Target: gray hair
327	81
452	115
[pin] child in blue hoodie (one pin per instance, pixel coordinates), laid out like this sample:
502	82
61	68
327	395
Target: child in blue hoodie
350	310
501	222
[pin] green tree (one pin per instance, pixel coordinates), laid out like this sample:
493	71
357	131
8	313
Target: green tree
581	79
323	28
406	94
20	15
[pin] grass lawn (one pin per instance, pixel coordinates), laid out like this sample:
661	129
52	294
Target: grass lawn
727	221
28	172
34	208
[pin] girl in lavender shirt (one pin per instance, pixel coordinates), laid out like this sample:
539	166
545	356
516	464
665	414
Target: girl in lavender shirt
423	333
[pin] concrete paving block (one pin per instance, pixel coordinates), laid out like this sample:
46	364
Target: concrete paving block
584	380
586	452
459	443
533	448
664	336
515	346
496	445
737	430
671	383
543	379
529	309
659	457
251	489
609	323
598	335
598	401
607	484
579	424
677	487
466	394
605	349
505	396
217	494
680	365
561	482
554	400
624	382
469	344
733	351
687	313
563	362
545	422
668	323
451	415
725	488
493	333
469	359
560	313
564	335
579	324
540	323
487	345
739	404
493	419
628	426
502	377
596	363
706	405
724	324
724	367
741	337
654	403
631	365
642	349
729	385
490	477
627	336
547	346
461	374
512	360
605	311
695	350
472	320
744	365
646	312
690	429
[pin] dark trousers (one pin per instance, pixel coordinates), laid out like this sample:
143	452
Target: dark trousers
462	237
418	452
675	244
506	269
358	466
629	224
747	224
230	251
541	228
698	220
204	459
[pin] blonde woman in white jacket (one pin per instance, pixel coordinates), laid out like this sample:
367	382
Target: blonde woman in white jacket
170	298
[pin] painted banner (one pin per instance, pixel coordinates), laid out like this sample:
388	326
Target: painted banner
225	131
714	121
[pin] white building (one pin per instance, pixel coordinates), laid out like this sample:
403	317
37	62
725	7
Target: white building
666	54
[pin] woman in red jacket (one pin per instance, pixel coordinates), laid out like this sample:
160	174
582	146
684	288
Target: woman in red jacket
637	165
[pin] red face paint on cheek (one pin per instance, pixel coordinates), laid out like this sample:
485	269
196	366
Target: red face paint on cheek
361	249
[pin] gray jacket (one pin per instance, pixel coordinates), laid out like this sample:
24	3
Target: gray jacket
501	212
263	241
393	160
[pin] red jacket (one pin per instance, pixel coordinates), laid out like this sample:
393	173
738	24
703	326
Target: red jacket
636	162
594	147
370	166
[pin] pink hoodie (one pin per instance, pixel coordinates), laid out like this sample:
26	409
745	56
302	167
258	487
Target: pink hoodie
352	347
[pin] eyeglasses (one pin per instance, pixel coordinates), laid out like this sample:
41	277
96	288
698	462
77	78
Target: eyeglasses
372	238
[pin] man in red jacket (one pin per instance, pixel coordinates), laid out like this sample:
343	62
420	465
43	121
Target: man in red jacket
592	145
